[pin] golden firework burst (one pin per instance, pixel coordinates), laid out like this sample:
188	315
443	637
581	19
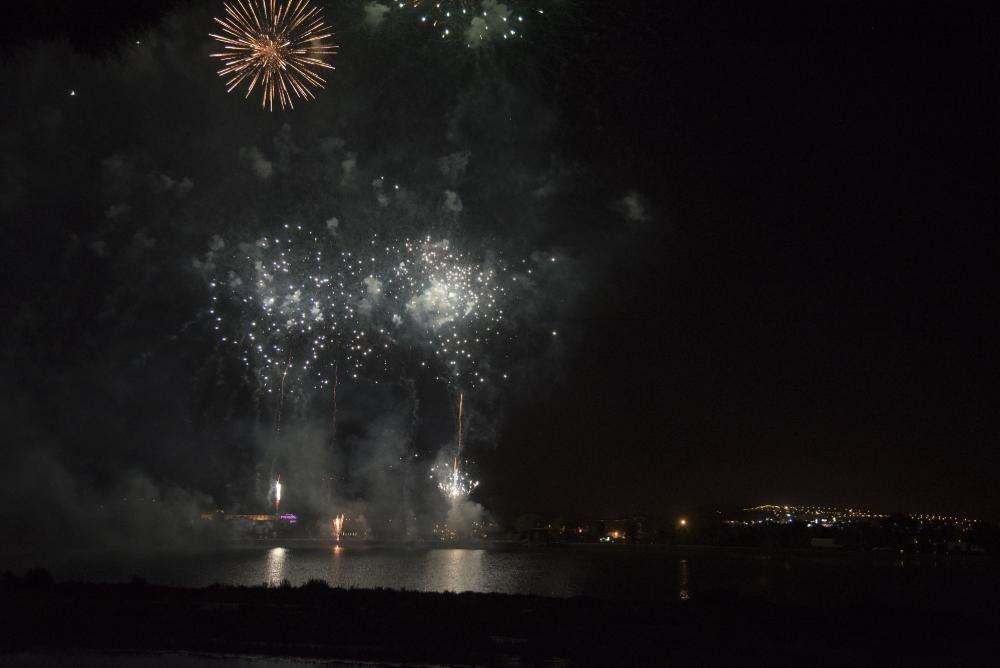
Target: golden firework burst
276	45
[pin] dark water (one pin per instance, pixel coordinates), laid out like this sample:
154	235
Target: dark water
603	571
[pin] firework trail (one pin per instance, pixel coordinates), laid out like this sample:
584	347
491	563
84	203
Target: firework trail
455	484
333	434
276	45
293	306
277	496
277	430
336	382
281	395
458	446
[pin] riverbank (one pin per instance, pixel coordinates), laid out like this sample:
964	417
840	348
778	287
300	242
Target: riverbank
385	626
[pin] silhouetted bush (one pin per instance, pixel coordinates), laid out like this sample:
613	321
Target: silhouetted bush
316	583
38	577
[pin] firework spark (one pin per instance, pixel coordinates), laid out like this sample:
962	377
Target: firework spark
298	307
475	21
451	302
277	45
455	484
297	295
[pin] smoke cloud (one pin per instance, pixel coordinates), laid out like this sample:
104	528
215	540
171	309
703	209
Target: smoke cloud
128	415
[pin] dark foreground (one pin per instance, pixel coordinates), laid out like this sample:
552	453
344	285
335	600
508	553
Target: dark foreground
384	626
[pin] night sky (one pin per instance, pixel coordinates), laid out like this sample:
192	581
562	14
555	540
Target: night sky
775	227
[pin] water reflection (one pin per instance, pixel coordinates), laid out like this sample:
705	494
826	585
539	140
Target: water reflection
618	574
276	566
333	575
456	570
682	578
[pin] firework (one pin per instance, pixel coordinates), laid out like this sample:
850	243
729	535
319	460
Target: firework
338	525
277	495
451	303
303	311
300	308
455	484
276	45
474	21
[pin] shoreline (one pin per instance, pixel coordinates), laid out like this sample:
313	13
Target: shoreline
503	545
316	622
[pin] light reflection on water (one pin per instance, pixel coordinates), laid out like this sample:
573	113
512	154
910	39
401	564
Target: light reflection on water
276	566
683	593
601	572
456	570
